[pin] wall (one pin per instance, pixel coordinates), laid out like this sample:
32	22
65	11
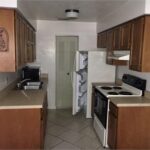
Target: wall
122	70
128	11
147	7
8	3
46	45
6	79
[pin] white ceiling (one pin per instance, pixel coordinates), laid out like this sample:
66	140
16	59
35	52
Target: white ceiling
90	10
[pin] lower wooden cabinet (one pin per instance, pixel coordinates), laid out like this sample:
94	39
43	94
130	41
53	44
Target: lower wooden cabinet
23	128
129	127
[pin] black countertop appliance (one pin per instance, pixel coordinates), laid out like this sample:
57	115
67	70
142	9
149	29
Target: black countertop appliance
30	72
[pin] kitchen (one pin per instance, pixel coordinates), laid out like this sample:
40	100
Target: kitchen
87	31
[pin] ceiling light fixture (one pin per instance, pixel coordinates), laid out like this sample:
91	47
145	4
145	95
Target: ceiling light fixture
72	13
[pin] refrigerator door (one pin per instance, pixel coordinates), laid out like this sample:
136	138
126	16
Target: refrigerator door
79	81
75	108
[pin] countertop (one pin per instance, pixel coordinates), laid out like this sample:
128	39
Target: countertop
130	101
20	99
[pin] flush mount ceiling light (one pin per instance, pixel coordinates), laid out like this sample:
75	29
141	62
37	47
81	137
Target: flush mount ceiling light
72	13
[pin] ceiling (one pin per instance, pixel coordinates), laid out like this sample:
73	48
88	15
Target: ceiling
90	10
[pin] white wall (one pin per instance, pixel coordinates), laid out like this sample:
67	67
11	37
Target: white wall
8	3
46	45
128	11
147	7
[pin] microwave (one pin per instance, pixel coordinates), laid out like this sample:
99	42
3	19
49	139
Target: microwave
32	73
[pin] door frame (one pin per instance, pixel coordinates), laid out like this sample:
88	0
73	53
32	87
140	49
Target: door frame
77	36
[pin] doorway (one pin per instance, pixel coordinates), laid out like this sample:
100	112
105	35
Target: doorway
66	47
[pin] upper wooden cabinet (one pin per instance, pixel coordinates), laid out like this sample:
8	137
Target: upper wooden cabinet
102	40
122	37
112	39
140	49
14	41
116	38
109	46
125	40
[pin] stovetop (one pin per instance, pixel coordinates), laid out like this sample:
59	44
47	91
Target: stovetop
119	91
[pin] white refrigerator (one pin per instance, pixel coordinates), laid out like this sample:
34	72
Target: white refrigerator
89	67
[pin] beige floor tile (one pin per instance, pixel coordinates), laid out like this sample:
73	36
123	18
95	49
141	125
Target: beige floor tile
67	132
89	131
55	130
88	143
51	141
61	121
50	124
76	125
70	136
65	146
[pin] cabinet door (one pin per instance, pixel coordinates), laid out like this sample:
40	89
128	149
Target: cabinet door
125	40
20	41
43	121
18	44
137	44
102	40
112	130
109	46
116	38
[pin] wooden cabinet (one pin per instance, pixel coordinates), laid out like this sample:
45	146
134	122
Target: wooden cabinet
102	40
125	40
109	46
116	38
128	127
30	44
140	50
19	42
132	36
122	37
23	128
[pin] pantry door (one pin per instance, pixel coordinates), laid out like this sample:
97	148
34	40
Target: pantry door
66	46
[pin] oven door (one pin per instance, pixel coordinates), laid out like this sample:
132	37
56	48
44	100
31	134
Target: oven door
100	107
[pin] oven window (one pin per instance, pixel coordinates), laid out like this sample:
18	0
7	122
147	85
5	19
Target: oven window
100	108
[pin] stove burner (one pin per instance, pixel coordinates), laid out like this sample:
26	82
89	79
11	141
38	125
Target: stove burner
125	93
106	88
117	87
112	93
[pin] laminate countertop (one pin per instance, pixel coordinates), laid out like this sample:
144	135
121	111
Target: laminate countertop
131	101
20	99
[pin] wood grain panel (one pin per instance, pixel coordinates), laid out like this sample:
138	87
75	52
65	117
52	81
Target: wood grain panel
7	59
20	129
133	128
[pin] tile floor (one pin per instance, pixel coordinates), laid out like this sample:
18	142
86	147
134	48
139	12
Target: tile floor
67	132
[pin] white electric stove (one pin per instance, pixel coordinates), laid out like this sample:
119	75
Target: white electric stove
132	87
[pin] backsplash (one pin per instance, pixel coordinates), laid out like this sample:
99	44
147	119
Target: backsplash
124	69
6	79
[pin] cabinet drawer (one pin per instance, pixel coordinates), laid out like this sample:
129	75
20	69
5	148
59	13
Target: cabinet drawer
113	109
